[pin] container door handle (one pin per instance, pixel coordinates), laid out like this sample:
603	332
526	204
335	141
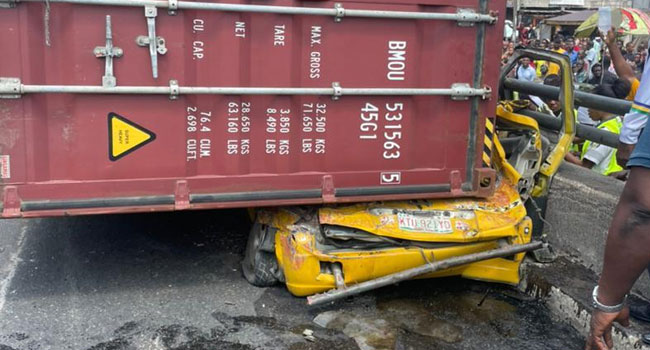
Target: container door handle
155	43
108	52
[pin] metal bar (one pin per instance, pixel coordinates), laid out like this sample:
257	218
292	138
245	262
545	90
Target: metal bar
331	91
254	196
200	198
108	62
97	203
420	270
477	78
92	89
186	90
166	200
289	10
151	12
585	132
339	280
602	103
391	190
515	20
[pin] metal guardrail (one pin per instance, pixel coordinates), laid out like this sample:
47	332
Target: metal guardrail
602	103
585	132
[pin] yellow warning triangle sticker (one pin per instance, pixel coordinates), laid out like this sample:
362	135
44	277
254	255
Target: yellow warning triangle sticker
125	136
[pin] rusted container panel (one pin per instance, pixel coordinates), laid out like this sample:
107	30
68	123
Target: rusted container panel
72	141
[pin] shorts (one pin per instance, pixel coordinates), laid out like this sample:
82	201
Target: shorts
641	154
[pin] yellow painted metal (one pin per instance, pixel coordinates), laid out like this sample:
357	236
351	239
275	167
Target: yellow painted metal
302	262
488	143
568	132
471	219
556	156
478	225
506	114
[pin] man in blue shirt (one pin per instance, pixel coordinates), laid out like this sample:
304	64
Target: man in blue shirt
572	50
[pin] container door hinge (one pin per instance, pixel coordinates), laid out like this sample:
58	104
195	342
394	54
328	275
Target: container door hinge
328	189
108	52
10	88
8	4
10	202
181	196
155	43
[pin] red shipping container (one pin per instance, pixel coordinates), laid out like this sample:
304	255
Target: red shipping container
122	106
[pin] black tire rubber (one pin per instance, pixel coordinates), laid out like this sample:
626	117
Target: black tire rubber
259	267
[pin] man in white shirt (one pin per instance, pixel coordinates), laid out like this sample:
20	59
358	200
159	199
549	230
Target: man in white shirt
591	54
635	121
525	72
583	117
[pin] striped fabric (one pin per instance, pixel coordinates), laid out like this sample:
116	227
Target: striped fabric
636	119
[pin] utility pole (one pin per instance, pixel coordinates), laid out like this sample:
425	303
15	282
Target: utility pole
515	21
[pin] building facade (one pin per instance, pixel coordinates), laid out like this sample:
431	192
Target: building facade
578	4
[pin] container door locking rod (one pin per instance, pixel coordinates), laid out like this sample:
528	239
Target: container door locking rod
13	88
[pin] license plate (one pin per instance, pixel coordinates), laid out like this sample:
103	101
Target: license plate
418	223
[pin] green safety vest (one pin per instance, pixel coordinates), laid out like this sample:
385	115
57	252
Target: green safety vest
613	125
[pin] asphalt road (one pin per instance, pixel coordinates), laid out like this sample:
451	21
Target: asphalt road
172	281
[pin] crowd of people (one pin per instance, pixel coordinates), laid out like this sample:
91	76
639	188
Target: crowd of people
588	56
605	66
